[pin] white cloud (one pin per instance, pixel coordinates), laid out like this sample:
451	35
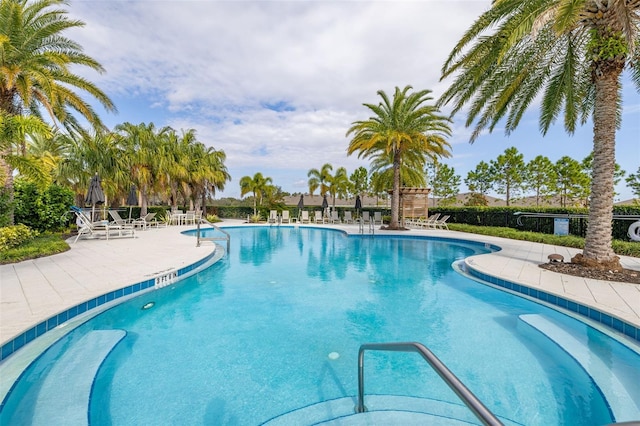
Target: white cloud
219	66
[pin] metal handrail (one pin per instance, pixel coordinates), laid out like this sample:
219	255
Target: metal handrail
470	400
227	236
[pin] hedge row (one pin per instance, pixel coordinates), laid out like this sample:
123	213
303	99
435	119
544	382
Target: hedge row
507	217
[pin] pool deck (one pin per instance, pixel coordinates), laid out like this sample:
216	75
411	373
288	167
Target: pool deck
35	290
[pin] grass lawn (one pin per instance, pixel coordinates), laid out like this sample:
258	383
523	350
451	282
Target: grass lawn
40	246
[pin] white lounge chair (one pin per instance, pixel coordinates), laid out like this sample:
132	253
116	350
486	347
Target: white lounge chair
87	228
318	218
442	223
305	217
377	218
335	218
286	217
429	222
366	219
148	220
273	216
118	219
347	217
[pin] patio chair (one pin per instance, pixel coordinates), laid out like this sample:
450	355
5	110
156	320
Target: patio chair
286	217
118	219
335	218
148	220
319	218
428	223
190	217
366	218
347	217
442	223
87	228
304	218
273	216
377	218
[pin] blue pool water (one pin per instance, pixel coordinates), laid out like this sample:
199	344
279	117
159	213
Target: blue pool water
249	339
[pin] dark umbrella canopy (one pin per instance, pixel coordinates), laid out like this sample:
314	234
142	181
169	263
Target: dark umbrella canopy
94	194
358	202
301	202
132	199
325	203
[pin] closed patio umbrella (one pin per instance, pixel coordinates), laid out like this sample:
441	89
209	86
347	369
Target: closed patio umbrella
325	204
300	205
358	203
132	199
95	195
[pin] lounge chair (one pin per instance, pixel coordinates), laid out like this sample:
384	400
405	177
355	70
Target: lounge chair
273	216
347	217
148	220
305	217
442	223
429	222
366	219
377	218
286	218
318	218
118	219
87	228
335	218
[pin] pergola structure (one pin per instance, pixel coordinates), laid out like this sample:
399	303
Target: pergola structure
414	202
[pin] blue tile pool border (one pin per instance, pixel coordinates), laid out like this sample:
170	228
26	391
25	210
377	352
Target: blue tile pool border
623	327
50	323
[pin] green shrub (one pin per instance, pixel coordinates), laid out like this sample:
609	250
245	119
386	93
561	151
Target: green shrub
40	246
42	210
4	207
13	236
212	218
623	248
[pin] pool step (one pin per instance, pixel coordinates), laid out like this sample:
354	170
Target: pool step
618	390
381	410
64	395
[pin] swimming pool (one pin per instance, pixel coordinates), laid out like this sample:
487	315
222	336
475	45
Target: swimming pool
275	327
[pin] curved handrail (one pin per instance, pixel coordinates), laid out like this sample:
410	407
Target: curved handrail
470	400
217	228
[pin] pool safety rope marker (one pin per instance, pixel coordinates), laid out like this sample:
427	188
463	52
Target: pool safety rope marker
166	279
634	231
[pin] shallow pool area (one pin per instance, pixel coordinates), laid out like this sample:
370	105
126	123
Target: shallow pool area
274	328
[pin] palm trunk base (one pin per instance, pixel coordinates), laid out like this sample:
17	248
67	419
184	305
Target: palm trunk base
611	265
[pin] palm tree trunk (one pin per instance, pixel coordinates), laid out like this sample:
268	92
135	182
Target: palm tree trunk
395	194
597	246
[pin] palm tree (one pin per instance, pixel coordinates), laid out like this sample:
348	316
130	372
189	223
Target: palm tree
320	179
258	185
572	52
339	184
403	127
143	151
35	69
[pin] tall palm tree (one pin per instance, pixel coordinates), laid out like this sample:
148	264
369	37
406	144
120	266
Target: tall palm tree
572	52
320	179
258	185
339	184
143	150
404	126
36	60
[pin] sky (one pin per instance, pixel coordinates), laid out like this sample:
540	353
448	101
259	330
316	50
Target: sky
277	84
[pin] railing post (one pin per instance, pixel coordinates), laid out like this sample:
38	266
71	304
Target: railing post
360	408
